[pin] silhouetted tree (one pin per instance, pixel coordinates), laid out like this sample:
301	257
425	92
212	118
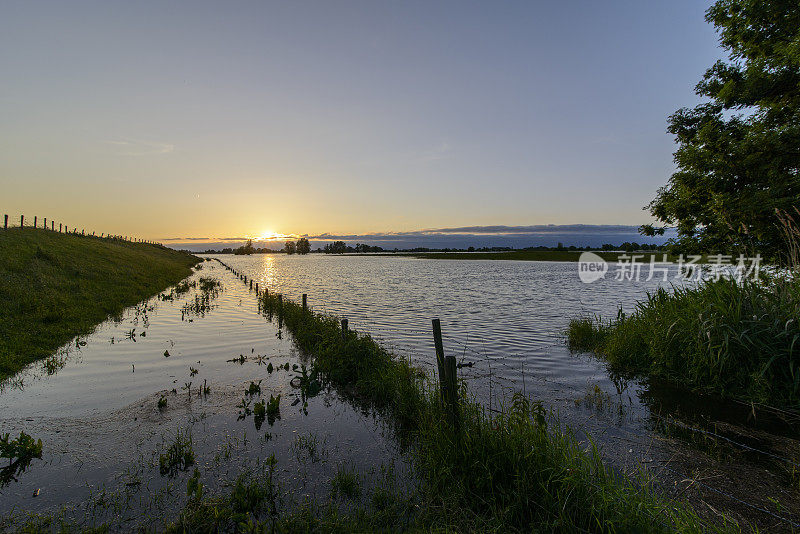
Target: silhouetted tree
303	246
246	249
290	248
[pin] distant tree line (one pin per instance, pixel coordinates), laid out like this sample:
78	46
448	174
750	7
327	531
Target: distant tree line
302	246
339	247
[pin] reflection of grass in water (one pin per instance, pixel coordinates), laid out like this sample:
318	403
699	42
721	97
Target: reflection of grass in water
595	398
308	447
179	456
19	452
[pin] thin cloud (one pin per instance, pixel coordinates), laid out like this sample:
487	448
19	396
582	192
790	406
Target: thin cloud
130	147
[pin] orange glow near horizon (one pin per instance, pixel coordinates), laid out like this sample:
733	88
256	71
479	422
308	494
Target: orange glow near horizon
269	235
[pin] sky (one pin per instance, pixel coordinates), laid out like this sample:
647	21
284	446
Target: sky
175	121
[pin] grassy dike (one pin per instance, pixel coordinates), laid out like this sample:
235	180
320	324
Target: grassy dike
56	286
512	472
735	340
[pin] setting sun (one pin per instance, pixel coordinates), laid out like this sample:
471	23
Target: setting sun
269	235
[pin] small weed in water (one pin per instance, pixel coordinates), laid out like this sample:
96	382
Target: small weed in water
253	389
345	483
273	409
259	413
179	456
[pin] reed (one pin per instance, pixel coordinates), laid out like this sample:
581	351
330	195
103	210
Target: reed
733	339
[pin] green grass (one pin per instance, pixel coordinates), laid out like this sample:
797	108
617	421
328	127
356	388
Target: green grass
516	471
735	340
57	286
346	483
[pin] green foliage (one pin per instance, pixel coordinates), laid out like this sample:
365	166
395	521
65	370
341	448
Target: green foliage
733	339
179	456
345	483
71	285
737	155
162	402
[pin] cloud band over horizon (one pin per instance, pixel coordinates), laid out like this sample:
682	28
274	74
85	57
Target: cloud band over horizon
457	237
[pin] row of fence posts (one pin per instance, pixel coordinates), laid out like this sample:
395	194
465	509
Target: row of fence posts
446	365
62	228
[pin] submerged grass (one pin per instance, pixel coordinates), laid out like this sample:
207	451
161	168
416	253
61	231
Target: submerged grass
738	340
516	471
57	286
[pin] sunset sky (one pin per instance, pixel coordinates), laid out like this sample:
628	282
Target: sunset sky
173	120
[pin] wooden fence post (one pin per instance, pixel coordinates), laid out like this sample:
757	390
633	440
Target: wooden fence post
251	284
35	221
6	223
437	342
256	288
60	225
344	329
447	376
21	221
45	223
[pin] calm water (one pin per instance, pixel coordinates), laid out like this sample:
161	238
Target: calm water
95	406
507	318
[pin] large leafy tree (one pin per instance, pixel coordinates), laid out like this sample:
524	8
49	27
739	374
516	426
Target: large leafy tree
739	152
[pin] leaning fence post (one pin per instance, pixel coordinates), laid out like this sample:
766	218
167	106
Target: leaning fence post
251	284
305	297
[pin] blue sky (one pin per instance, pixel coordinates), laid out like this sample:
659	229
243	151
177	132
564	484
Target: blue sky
164	119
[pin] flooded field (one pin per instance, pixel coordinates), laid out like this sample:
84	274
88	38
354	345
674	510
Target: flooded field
187	368
178	370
